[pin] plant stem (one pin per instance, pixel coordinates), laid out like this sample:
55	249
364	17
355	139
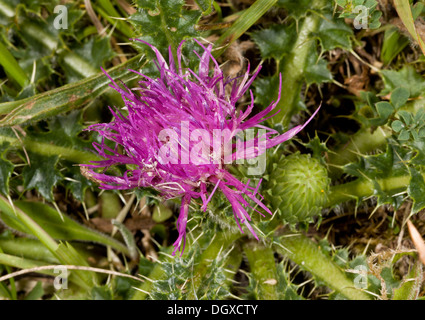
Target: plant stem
221	242
364	188
294	65
263	268
308	256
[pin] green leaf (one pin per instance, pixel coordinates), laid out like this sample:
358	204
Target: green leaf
165	24
318	147
296	9
385	109
390	281
249	17
406	78
417	9
376	168
317	71
101	293
397	125
41	174
128	238
416	190
334	33
399	97
404	11
276	41
205	5
43	145
78	184
406	116
51	221
309	257
146	4
409	290
96	51
64	130
404	135
394	42
67	255
6	169
12	67
265	90
36	293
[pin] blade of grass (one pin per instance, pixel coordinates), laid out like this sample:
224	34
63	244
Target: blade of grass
12	67
405	13
66	229
64	252
47	148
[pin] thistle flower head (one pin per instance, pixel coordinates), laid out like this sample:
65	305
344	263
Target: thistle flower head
179	133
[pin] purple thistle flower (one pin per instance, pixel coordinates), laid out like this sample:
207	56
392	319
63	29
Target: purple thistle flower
185	103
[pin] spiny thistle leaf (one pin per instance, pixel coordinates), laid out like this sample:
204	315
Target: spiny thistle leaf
334	33
41	174
276	41
164	23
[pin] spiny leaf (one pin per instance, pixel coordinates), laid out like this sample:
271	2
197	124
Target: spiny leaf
78	183
334	33
265	90
276	41
41	174
391	163
96	51
64	131
164	23
205	5
317	70
296	9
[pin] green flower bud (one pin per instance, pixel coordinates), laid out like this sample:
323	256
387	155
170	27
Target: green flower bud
297	187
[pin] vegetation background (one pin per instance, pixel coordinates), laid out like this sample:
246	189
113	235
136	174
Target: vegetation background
348	192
